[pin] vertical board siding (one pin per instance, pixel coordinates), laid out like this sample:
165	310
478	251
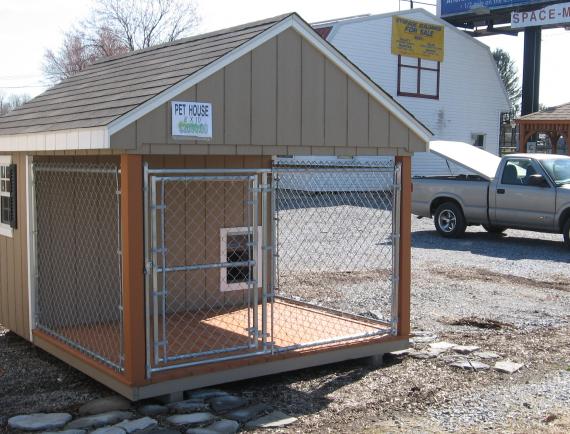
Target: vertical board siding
313	96
238	101
14	311
264	94
282	98
212	90
335	106
357	115
288	88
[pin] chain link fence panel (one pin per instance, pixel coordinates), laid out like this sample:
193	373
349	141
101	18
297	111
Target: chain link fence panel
78	257
337	238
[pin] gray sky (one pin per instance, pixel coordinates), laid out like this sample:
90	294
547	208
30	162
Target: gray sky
28	27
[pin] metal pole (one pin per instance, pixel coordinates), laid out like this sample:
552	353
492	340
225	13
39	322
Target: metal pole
397	191
148	269
265	259
253	278
531	70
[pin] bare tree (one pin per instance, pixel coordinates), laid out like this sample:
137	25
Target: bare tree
115	27
12	102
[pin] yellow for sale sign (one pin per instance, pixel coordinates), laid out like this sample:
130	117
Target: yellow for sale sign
417	39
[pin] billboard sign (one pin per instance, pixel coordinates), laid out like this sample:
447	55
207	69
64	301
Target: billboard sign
550	15
417	39
447	8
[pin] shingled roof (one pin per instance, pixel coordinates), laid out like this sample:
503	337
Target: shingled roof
114	86
558	113
85	110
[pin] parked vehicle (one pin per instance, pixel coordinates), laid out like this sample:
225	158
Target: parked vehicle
519	191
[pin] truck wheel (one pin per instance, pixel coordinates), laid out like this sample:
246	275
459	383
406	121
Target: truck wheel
494	229
449	220
566	233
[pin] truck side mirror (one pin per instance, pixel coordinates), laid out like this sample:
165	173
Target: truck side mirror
537	180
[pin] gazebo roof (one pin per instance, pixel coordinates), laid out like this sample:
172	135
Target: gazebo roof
558	113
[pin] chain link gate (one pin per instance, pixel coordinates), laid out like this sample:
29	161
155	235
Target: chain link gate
204	247
337	232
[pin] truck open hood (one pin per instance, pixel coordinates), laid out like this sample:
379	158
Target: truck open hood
468	156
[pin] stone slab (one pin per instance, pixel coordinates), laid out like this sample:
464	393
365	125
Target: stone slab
188	406
190	419
470	365
224	426
275	419
99	420
152	410
108	430
137	424
223	404
104	405
39	421
206	394
507	367
487	355
248	413
67	431
446	346
466	349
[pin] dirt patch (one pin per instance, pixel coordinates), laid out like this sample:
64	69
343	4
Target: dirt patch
480	323
560	283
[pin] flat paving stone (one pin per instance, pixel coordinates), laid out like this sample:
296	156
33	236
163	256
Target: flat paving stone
188	406
275	419
67	431
227	403
190	419
137	424
39	421
108	430
507	367
424	355
199	431
401	353
248	413
224	426
161	430
487	355
465	349
152	410
206	394
470	365
104	405
446	346
100	420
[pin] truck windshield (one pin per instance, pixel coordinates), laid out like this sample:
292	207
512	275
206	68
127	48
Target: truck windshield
558	169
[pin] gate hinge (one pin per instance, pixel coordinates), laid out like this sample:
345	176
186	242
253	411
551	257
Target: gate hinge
159	293
395	237
148	267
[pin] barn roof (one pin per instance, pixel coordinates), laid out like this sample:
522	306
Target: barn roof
114	92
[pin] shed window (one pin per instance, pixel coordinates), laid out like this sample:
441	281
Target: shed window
236	247
7	196
478	140
418	77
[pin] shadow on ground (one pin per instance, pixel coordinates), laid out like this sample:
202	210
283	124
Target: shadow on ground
497	246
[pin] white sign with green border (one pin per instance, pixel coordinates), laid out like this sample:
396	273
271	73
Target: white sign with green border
192	119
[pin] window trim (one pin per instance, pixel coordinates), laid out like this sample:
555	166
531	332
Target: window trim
5	229
243	230
419	68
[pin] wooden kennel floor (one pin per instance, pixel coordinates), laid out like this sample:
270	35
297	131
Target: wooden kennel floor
294	324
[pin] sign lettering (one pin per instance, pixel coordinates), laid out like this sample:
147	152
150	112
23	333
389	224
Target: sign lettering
192	119
417	39
550	15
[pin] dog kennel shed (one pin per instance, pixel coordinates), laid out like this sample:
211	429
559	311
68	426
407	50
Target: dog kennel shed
149	239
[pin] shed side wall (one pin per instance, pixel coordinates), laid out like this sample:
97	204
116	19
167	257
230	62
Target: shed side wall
283	98
14	301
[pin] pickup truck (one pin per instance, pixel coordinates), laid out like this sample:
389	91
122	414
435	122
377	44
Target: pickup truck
519	191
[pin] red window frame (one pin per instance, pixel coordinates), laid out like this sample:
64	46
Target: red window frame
419	68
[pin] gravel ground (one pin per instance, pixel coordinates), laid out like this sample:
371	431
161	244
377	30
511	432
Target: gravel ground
510	295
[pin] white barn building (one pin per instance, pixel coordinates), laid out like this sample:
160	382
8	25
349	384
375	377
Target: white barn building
459	99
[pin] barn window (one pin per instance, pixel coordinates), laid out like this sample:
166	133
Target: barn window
478	139
236	247
7	196
418	77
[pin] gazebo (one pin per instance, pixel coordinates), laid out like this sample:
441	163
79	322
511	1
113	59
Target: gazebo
554	122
